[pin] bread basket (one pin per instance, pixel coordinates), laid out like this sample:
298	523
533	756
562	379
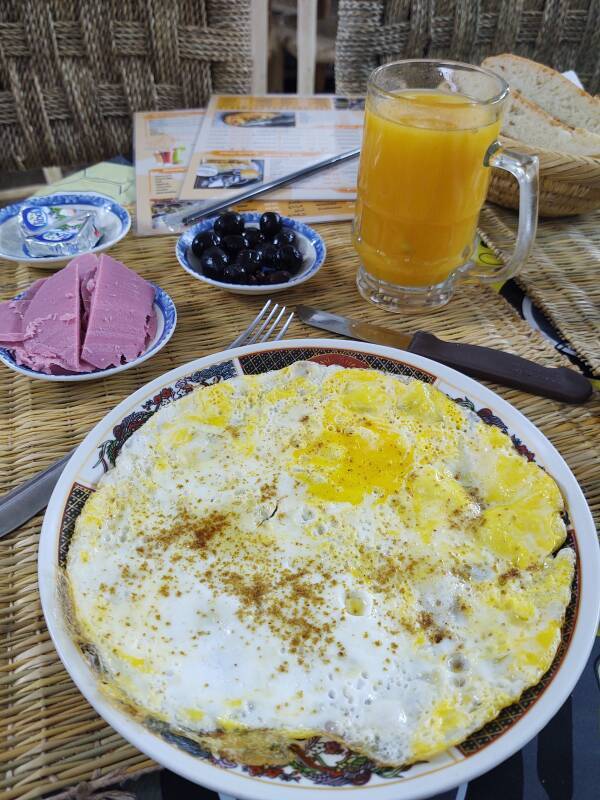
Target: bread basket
569	184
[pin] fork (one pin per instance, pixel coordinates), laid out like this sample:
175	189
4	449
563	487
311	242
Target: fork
255	331
31	497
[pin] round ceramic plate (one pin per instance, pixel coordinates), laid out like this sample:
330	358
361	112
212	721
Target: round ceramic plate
310	244
322	767
166	320
113	219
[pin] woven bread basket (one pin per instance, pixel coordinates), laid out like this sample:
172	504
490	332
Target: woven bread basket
569	184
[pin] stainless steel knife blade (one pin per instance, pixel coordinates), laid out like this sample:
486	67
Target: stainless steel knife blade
353	328
30	497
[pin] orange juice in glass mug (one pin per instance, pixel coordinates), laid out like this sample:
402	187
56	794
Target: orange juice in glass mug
430	137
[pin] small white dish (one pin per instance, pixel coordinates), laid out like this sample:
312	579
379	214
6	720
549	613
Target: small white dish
113	219
166	320
309	242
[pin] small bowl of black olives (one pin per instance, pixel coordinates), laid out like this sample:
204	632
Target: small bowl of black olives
251	253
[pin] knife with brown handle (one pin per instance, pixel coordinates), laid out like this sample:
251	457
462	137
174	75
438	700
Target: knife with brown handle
557	383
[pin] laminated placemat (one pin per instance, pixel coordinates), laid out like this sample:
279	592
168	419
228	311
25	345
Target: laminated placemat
52	738
561	275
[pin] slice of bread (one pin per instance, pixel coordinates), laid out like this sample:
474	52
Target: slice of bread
549	89
530	124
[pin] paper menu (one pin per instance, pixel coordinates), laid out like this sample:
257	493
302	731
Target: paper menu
249	139
163	144
307	210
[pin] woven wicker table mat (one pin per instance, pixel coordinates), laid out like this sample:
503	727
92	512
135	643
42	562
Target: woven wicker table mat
52	738
561	276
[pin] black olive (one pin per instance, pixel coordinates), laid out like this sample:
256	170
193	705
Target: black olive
263	275
205	240
253	237
233	243
279	276
290	258
235	273
270	223
213	261
228	223
250	259
285	236
269	255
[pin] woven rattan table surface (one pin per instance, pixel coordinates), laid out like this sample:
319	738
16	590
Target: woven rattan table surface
561	275
52	739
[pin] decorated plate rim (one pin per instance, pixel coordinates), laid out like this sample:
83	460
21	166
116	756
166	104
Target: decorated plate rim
403	788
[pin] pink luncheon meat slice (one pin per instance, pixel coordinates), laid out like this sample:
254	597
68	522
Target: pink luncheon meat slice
11	316
121	314
88	264
52	325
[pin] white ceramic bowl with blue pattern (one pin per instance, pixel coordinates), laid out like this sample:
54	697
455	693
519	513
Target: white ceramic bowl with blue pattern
308	241
111	218
166	320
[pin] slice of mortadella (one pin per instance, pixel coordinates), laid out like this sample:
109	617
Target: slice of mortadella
52	325
121	312
12	313
88	265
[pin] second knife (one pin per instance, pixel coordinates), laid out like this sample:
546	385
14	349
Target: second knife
558	383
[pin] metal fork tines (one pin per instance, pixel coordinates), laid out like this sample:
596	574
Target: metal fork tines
259	329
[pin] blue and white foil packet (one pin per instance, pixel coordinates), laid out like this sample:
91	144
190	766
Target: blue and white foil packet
57	231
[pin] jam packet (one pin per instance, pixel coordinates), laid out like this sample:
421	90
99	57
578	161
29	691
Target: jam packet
57	231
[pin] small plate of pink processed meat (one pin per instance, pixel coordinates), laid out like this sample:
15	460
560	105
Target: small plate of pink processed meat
91	319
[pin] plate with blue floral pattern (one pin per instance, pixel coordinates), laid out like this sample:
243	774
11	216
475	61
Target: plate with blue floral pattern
166	320
308	241
112	219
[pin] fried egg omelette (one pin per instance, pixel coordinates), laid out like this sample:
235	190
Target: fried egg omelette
320	550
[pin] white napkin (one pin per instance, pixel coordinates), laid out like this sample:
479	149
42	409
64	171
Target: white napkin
572	76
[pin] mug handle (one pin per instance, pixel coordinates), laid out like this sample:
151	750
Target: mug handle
526	170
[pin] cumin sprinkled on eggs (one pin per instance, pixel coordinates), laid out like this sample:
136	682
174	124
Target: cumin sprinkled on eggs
335	534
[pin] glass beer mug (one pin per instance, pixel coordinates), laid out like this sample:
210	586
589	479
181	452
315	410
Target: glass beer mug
430	139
